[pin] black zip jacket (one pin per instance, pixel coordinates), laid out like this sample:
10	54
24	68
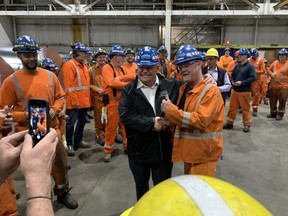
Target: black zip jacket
136	113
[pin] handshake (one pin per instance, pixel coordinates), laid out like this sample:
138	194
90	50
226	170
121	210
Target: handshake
161	124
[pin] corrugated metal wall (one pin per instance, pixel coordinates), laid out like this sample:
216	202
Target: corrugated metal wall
134	32
102	32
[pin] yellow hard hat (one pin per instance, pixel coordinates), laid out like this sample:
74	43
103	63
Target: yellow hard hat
198	196
212	52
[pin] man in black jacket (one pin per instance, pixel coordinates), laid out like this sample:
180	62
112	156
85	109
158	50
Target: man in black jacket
149	135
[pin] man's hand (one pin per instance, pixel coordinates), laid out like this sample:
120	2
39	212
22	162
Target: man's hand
165	103
10	148
76	106
38	161
161	124
209	79
238	83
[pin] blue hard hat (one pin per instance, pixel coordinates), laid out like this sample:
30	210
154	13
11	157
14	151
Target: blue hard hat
203	55
254	52
26	44
78	46
48	64
187	53
99	51
88	51
244	51
116	50
283	51
147	56
162	48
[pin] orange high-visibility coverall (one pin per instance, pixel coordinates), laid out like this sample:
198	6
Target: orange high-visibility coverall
259	86
8	205
231	67
198	139
225	61
96	81
167	65
131	67
42	85
76	93
278	86
109	83
7	191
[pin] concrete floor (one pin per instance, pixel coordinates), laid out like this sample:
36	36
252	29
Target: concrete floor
256	162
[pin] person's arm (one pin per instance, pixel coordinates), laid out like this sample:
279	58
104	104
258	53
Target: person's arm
10	148
227	85
201	118
110	80
35	164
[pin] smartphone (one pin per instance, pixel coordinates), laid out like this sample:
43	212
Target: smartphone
39	121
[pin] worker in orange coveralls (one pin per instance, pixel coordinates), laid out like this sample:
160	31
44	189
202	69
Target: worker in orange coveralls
115	77
232	64
164	66
50	65
278	71
96	80
198	116
259	86
226	58
33	82
7	191
76	81
130	64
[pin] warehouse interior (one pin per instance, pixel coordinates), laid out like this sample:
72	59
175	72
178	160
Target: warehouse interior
256	163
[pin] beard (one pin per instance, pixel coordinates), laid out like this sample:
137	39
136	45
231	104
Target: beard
32	65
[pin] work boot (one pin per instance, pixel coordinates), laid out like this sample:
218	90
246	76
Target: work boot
68	200
228	126
254	112
278	117
82	144
246	129
70	150
100	141
272	115
118	138
107	157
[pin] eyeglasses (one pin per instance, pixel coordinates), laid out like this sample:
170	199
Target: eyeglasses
186	65
149	68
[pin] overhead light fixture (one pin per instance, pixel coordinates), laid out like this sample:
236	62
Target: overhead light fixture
252	4
280	4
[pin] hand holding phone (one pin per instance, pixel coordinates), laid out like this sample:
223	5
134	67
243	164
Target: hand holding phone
39	120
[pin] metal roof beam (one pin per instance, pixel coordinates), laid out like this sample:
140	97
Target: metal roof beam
280	4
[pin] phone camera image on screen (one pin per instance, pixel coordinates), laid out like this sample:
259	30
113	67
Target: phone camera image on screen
38	119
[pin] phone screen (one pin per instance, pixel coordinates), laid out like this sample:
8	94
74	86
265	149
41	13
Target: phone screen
38	119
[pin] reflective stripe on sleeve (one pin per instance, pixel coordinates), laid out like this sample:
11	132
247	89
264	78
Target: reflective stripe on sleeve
108	146
186	120
196	187
77	88
197	135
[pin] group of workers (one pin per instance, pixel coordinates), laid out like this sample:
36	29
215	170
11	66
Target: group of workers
148	99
